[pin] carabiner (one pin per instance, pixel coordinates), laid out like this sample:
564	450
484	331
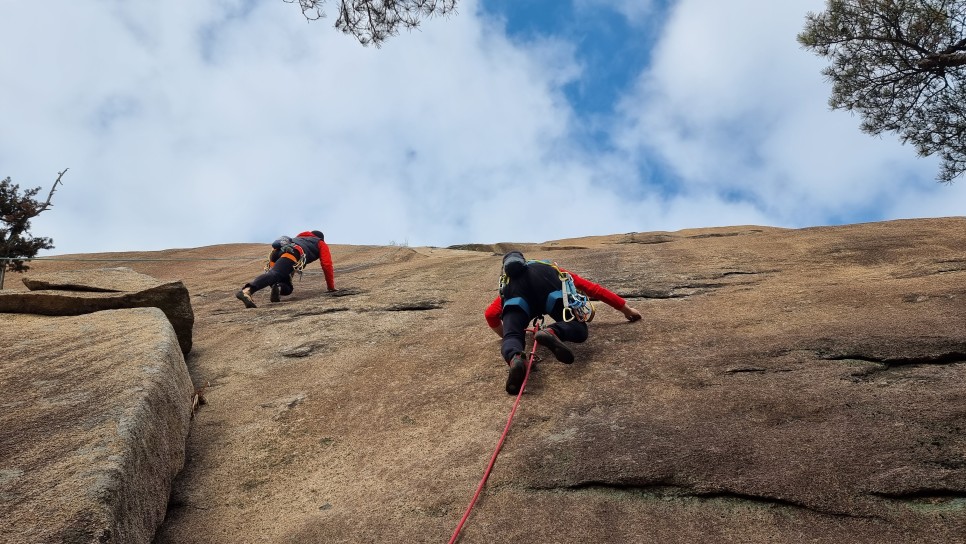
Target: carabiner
568	314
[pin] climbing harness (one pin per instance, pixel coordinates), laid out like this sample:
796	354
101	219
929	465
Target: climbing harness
289	251
575	304
535	326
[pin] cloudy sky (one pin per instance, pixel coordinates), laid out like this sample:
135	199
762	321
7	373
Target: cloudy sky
188	123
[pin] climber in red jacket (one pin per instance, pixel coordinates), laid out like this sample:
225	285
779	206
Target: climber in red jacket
530	289
288	256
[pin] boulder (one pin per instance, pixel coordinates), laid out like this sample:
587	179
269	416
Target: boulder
95	416
76	292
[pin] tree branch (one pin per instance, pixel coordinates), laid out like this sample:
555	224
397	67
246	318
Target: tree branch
50	195
940	61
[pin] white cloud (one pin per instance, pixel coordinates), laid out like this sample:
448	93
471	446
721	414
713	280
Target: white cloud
732	104
191	125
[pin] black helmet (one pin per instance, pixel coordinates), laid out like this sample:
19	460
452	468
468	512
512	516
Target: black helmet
318	234
514	264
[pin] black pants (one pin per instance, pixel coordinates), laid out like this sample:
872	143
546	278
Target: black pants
280	273
515	322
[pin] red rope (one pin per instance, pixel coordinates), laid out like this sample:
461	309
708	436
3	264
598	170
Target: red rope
499	445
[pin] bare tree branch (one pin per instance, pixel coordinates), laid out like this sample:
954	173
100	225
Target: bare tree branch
50	195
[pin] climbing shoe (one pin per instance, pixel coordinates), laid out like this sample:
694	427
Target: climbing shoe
246	297
560	350
518	371
274	297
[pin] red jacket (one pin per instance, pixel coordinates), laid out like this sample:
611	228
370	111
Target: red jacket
494	311
325	259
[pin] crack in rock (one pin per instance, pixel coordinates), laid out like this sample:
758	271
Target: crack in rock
416	306
485	248
924	497
651	293
677	291
321	311
726	273
671	491
696	287
280	317
345	292
647	239
725	234
708	285
559	248
739	370
887	363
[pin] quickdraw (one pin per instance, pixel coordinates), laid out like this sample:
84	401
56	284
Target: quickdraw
576	305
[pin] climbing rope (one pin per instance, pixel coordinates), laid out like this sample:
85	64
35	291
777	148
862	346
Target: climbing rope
535	326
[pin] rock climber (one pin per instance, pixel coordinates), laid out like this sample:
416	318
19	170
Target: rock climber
531	289
288	256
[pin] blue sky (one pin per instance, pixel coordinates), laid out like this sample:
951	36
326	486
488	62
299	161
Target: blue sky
187	124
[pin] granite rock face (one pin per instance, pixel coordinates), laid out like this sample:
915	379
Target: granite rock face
76	292
784	386
94	416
